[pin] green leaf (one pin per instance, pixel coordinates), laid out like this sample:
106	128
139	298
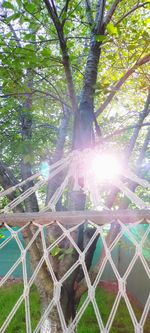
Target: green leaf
46	52
8	35
68	251
147	22
131	47
56	250
19	2
12	17
61	257
30	7
2	236
16	16
145	35
110	56
28	37
100	38
112	30
8	5
42	38
64	15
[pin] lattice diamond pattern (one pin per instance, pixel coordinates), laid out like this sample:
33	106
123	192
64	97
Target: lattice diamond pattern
39	236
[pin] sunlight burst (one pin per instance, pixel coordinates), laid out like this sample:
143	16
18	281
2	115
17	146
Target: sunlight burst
106	167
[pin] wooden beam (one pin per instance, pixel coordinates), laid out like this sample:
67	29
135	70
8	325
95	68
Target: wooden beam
76	217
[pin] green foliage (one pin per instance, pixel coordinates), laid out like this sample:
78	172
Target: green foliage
65	252
112	30
29	42
55	251
61	252
7	4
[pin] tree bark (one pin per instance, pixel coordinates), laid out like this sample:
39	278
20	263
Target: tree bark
56	181
7	180
43	279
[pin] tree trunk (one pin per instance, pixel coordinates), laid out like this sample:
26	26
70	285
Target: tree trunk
43	280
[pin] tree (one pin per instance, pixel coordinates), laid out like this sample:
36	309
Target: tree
73	69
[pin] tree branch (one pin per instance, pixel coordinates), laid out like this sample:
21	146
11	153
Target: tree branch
51	84
99	16
119	131
89	13
132	185
54	128
15	35
10	178
64	10
7	179
143	114
129	149
54	8
65	56
110	13
131	11
119	84
17	94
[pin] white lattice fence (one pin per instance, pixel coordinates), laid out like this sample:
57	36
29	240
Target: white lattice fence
67	224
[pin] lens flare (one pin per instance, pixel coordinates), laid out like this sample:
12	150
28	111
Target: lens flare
105	167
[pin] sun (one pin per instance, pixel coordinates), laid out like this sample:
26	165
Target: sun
105	167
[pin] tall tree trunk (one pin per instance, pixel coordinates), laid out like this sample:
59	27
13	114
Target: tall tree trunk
58	154
43	279
83	137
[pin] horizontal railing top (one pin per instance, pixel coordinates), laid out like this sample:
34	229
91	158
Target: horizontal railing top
76	217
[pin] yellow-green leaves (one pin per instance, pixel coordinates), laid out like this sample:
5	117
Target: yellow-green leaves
112	30
56	250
